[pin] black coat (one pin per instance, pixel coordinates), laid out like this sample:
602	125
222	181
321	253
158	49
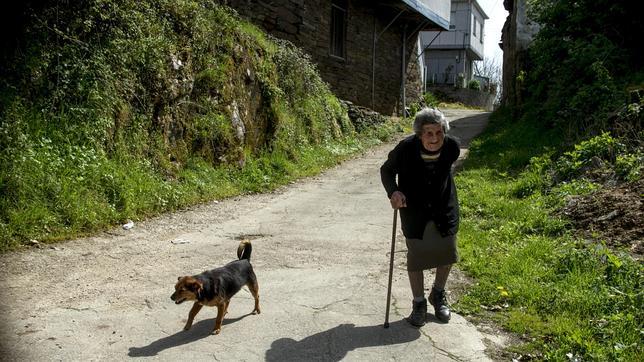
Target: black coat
431	194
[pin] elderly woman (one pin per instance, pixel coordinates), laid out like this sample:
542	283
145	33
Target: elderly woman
426	196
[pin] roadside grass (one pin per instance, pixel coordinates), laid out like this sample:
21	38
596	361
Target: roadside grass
83	191
568	299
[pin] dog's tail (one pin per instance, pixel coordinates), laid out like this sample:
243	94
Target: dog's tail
244	249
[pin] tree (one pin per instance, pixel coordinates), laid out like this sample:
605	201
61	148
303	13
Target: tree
492	70
585	56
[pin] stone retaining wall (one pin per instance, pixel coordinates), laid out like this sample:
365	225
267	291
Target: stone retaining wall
362	117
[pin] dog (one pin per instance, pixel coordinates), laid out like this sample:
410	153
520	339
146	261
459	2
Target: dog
215	287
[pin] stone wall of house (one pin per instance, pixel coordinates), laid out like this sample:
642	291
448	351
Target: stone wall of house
308	25
414	81
517	34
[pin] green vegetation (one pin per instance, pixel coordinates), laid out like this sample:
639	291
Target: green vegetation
577	132
584	60
474	84
430	99
568	297
115	110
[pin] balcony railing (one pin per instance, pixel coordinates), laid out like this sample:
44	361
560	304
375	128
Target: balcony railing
441	78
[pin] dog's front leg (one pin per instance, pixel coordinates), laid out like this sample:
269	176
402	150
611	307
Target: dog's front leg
221	310
191	316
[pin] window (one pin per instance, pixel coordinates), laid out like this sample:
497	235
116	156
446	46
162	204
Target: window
481	38
474	26
338	28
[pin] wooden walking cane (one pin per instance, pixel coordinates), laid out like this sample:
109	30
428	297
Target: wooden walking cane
391	267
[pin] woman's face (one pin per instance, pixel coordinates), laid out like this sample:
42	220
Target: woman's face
432	137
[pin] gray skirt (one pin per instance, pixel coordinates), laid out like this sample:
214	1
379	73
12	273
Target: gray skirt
432	251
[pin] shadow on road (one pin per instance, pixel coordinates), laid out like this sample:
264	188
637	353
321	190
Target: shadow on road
335	343
198	331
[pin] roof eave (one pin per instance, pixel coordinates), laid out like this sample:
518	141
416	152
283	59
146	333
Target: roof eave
432	16
480	9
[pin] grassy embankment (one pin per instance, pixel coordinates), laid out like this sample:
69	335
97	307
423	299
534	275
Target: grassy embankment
569	299
581	85
122	110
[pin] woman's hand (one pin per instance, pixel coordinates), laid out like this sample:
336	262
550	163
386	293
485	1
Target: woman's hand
398	200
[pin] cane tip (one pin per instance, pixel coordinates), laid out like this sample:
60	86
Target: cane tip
386	324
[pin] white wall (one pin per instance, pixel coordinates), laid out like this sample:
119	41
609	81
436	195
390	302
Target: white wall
461	34
476	41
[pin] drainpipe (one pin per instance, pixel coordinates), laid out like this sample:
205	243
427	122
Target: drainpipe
403	73
469	40
373	65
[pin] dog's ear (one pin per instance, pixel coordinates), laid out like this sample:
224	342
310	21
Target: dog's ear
195	286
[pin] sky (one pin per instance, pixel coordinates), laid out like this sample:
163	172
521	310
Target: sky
492	31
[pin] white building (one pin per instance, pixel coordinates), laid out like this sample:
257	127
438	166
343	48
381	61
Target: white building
449	54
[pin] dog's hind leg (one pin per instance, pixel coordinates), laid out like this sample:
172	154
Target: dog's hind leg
226	303
254	290
191	316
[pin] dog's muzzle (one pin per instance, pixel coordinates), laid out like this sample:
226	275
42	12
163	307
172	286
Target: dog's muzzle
174	298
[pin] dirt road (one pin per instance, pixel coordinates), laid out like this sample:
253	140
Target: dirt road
320	253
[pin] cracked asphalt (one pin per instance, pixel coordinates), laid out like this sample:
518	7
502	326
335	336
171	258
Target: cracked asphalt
320	251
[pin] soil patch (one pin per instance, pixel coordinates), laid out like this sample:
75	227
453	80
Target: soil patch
612	214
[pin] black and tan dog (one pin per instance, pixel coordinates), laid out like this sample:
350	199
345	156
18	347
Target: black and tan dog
216	287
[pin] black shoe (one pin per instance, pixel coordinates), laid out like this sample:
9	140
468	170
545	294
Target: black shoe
418	313
439	300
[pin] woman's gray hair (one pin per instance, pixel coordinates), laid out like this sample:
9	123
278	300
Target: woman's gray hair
429	116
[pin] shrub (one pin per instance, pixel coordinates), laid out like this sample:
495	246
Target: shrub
598	149
431	100
599	158
629	166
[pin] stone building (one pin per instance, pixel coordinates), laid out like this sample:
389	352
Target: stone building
356	44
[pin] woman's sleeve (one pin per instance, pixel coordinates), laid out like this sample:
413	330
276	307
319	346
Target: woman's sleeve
447	219
389	170
454	150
